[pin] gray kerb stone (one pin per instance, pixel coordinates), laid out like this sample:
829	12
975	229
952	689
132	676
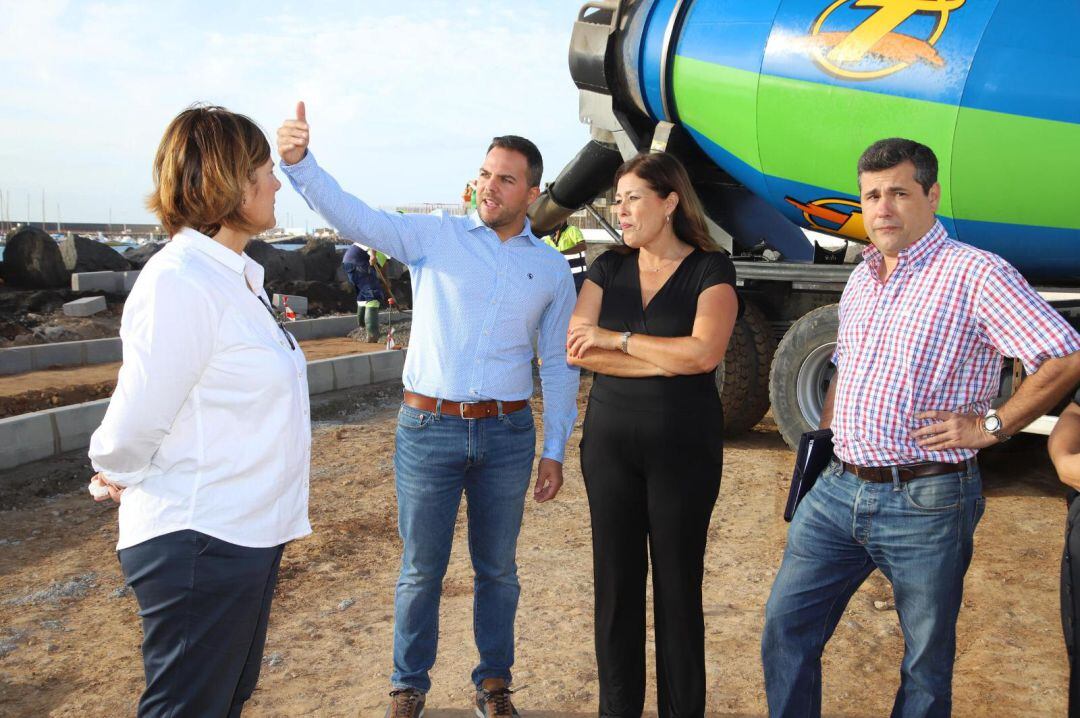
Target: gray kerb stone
84	307
96	282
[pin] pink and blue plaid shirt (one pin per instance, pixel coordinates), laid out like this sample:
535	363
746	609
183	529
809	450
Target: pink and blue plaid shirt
931	337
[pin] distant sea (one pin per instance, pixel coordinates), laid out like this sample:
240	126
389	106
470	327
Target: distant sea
121	248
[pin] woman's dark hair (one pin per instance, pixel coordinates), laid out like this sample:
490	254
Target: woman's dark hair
205	162
665	174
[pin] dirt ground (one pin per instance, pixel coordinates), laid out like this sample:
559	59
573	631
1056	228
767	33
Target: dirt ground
34	391
69	634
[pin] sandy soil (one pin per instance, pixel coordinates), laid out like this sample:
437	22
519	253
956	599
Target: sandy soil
69	634
34	391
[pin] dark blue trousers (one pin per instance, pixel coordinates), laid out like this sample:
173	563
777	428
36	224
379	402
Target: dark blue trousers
204	605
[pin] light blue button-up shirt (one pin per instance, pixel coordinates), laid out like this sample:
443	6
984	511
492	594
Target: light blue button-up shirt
478	302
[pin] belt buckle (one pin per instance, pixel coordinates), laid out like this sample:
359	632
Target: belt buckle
462	405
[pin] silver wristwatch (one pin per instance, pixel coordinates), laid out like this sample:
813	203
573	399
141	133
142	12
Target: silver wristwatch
625	339
992	424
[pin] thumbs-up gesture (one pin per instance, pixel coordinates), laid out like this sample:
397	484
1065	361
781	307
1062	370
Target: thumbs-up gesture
293	137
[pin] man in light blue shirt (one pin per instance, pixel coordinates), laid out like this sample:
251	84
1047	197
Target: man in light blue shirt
484	289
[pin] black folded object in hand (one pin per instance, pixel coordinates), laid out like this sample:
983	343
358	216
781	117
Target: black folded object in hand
813	455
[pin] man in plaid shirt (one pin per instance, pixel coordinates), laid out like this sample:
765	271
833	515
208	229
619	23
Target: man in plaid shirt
924	322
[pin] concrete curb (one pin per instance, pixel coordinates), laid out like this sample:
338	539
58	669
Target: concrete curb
59	355
30	437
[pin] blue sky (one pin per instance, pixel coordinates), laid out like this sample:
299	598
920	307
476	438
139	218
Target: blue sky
403	96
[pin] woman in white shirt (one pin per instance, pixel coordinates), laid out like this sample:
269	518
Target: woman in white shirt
206	442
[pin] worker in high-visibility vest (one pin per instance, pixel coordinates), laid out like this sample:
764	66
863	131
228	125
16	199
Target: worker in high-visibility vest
570	241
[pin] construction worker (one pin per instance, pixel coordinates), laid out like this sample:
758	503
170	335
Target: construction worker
360	265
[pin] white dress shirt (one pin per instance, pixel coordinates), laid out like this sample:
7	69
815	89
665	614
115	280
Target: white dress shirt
209	426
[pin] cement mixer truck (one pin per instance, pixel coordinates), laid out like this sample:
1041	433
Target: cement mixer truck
769	104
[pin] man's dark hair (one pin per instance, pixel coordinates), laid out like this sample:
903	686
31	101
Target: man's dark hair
886	154
526	149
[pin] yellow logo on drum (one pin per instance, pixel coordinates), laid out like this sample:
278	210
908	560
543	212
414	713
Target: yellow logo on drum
833	214
874	48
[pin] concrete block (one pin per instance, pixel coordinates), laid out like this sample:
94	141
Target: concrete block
127	280
103	351
85	307
26	438
304	329
16	360
60	354
75	424
96	282
386	365
320	376
335	326
353	370
297	303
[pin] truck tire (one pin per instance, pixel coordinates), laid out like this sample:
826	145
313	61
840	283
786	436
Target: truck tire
801	372
743	377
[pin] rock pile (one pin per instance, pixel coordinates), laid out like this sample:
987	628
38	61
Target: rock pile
82	254
32	260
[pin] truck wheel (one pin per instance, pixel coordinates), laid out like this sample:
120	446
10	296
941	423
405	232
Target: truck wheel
801	372
743	377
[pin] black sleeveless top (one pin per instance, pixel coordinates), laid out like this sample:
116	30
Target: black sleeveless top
670	314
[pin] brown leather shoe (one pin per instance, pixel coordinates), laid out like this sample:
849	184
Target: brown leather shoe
406	703
493	700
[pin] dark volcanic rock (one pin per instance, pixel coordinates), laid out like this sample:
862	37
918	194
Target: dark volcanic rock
279	265
45	301
32	260
139	256
322	298
82	254
321	260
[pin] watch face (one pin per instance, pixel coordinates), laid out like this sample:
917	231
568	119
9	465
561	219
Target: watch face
992	423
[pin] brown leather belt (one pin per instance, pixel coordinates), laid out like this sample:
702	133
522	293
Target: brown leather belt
464	409
907	472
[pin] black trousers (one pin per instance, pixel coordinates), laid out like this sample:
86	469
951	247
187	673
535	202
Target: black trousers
204	605
652	479
1070	599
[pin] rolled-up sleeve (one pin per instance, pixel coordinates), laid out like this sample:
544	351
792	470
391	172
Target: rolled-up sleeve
403	237
558	380
168	331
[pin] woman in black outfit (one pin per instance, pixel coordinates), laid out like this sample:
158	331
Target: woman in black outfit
653	321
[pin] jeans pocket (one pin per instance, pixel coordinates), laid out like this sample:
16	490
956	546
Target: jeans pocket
413	419
521	420
937	493
832	470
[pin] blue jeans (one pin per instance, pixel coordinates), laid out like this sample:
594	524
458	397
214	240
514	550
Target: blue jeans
919	534
438	457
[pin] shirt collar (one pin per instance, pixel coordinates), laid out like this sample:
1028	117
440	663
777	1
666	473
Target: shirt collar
917	253
526	232
238	263
214	250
